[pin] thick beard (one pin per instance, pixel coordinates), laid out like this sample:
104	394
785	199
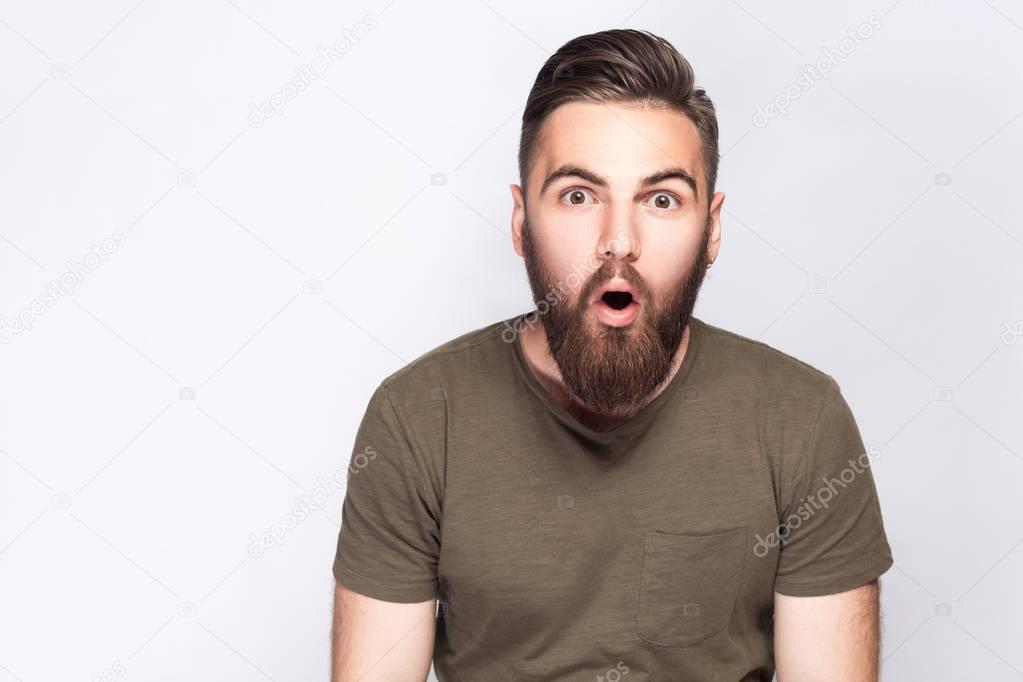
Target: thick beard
617	369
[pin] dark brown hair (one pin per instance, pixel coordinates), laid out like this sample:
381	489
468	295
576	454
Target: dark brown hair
619	65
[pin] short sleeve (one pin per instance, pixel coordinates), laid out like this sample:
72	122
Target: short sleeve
389	540
832	534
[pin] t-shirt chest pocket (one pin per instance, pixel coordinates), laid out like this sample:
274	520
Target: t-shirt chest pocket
689	584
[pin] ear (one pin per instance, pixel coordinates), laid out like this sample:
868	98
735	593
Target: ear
518	217
714	242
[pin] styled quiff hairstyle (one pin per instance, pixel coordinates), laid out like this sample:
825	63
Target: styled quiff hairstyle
622	66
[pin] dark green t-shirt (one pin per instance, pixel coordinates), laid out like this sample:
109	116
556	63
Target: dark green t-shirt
650	552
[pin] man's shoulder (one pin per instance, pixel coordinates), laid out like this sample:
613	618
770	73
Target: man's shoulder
743	361
460	356
784	394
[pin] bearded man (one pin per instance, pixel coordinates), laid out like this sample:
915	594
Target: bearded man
607	486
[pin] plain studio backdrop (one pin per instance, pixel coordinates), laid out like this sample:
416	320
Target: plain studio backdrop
205	270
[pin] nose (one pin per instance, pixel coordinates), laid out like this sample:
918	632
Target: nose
619	240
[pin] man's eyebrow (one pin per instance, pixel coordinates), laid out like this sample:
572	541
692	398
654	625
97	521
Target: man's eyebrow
667	174
573	170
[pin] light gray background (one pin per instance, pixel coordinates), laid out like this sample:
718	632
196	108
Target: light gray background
210	369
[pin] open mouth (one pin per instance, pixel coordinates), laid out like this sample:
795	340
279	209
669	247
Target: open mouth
617	300
617	303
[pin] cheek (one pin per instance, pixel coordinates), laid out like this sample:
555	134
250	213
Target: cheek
568	257
678	238
676	242
669	263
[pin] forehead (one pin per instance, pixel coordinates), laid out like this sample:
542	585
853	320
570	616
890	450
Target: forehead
622	142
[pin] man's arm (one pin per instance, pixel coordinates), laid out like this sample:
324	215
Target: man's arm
831	638
378	640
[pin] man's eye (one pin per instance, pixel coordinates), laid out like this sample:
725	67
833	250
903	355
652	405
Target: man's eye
665	201
576	196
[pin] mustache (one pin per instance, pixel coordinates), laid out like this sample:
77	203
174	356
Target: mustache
610	270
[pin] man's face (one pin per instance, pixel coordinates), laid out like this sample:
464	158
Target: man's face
599	219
